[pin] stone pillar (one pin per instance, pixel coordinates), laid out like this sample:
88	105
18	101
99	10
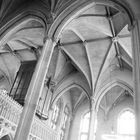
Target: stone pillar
34	91
136	73
92	123
72	117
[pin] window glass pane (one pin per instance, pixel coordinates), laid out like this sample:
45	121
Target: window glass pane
84	136
126	123
125	127
85	122
85	126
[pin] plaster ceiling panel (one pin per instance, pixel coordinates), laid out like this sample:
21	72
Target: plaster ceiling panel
90	34
58	5
15	45
111	55
122	22
108	66
61	62
103	102
75	94
112	11
124	54
10	6
32	32
33	24
26	55
124	31
78	55
66	69
28	43
100	24
95	10
113	94
97	51
63	67
126	44
69	36
35	35
126	65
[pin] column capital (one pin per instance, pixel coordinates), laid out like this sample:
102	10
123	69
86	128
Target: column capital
85	42
131	27
48	37
92	100
59	45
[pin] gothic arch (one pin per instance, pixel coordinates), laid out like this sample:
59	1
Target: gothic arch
108	86
13	25
75	8
68	83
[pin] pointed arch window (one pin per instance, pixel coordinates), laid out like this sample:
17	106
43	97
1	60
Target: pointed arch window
84	126
126	125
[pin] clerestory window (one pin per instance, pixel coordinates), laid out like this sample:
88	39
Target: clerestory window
64	125
126	125
84	126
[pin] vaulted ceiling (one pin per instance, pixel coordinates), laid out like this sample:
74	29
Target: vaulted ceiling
113	98
95	42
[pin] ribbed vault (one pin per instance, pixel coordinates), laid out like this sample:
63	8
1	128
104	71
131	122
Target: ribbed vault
23	43
93	44
96	39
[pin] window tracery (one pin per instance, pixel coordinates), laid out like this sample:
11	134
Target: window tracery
84	126
126	124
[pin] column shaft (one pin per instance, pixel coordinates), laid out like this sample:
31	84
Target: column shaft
92	123
136	74
34	91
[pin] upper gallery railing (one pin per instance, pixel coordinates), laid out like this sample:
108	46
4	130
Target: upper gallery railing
10	112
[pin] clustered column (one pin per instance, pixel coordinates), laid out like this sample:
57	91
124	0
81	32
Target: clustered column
34	91
136	73
92	123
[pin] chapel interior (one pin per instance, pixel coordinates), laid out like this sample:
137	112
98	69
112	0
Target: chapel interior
69	70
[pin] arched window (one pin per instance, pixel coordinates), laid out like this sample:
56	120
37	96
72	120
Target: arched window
126	124
56	113
84	126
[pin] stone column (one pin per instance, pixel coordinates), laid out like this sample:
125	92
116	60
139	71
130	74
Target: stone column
136	73
92	123
34	91
72	117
